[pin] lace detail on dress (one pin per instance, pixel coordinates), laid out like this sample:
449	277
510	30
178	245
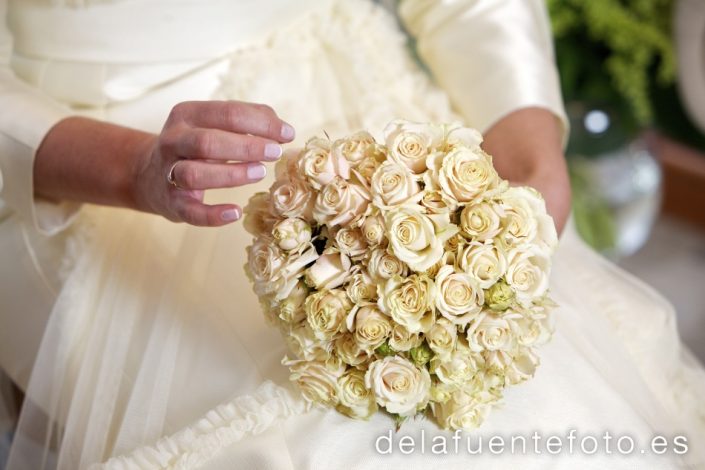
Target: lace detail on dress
219	428
377	79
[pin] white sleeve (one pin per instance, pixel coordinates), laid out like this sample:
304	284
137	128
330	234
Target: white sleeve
491	57
25	117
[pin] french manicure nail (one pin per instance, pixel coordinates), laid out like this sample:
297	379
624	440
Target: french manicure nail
287	132
230	215
272	151
256	172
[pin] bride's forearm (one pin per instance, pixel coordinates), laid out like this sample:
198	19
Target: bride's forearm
85	160
527	149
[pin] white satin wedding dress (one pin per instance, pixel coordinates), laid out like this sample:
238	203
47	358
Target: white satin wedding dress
141	341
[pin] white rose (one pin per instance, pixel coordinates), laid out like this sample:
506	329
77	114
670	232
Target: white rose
351	242
467	174
441	338
415	238
481	221
330	270
340	202
353	148
528	273
259	215
458	296
370	327
436	202
264	263
456	135
490	332
360	288
349	351
393	184
399	386
318	381
383	265
291	308
522	368
373	230
410	143
409	301
463	410
326	312
402	339
355	399
485	263
305	345
531	331
293	198
319	165
292	234
457	368
526	220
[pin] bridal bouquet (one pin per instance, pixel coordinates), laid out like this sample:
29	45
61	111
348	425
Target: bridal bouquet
405	275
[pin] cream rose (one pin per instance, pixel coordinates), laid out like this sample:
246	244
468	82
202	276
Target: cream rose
409	301
355	399
349	351
305	345
259	215
393	184
383	265
370	327
329	271
326	311
436	202
351	242
293	198
441	338
353	148
463	410
399	386
318	381
264	264
410	143
319	165
373	230
291	308
481	221
458	136
292	234
528	273
467	174
340	202
490	332
526	220
416	238
402	339
360	288
485	263
457	368
458	296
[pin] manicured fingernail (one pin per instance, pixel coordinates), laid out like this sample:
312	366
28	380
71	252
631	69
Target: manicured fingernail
256	172
287	132
272	151
230	215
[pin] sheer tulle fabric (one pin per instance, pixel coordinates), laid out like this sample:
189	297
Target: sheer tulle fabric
156	352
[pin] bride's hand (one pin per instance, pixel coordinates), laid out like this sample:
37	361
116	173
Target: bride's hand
207	145
203	145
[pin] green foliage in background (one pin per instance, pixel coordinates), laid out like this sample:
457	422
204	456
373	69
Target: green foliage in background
612	51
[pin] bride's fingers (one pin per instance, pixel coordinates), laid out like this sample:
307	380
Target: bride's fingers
198	174
194	212
233	116
215	144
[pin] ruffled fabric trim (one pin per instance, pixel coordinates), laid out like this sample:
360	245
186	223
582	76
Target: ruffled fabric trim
226	424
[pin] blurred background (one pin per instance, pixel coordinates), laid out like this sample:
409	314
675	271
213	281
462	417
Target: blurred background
633	78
